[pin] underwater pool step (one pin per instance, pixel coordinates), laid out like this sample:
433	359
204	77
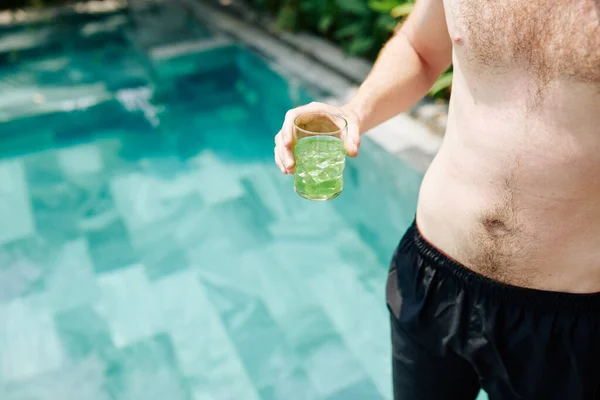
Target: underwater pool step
192	59
196	46
27	102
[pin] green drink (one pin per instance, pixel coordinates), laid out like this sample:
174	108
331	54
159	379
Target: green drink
320	156
319	167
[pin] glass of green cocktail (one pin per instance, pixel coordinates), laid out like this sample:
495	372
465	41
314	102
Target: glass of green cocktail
320	155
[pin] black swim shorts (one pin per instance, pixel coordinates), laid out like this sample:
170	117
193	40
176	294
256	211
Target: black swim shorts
455	331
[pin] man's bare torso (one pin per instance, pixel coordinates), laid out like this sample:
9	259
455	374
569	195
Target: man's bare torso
514	193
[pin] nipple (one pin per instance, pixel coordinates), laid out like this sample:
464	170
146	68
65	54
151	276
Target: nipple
458	39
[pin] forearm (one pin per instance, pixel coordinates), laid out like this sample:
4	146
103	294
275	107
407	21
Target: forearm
399	78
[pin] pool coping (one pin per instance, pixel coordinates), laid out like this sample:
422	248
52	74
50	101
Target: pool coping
404	136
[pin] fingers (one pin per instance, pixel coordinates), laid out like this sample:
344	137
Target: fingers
287	130
284	140
352	140
278	162
284	157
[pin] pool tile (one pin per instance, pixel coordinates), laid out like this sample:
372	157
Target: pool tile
163	259
359	391
307	327
146	369
361	319
83	379
331	366
83	333
364	261
214	180
42	169
166	168
70	281
226	389
128	305
280	290
23	265
308	223
162	239
29	344
80	160
218	262
259	342
158	249
17	279
307	258
55	209
98	208
15	208
267	186
293	386
64	208
241	221
109	246
204	350
143	199
227	298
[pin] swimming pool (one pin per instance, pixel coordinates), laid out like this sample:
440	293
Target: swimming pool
149	247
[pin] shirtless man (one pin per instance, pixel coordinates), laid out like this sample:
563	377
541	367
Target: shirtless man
499	286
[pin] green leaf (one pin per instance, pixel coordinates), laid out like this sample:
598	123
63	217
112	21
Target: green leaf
325	23
309	6
361	45
349	30
287	17
356	7
386	23
384	6
443	83
402	10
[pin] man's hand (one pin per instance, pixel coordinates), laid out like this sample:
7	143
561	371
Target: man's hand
405	70
284	140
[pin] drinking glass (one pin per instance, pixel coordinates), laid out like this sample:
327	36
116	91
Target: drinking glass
320	155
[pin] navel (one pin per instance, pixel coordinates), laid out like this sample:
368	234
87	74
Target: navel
495	227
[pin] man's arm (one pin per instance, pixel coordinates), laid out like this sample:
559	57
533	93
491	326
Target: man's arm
405	70
409	64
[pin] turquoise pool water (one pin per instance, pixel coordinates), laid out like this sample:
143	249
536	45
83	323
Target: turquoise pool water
149	247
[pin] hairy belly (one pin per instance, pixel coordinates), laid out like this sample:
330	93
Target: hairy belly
526	222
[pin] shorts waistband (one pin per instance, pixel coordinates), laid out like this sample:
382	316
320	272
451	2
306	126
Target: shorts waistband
553	301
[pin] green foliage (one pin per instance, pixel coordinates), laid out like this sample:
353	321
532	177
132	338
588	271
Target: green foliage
442	85
11	4
354	7
360	27
383	6
402	10
287	17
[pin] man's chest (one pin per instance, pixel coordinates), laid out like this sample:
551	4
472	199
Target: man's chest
551	39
